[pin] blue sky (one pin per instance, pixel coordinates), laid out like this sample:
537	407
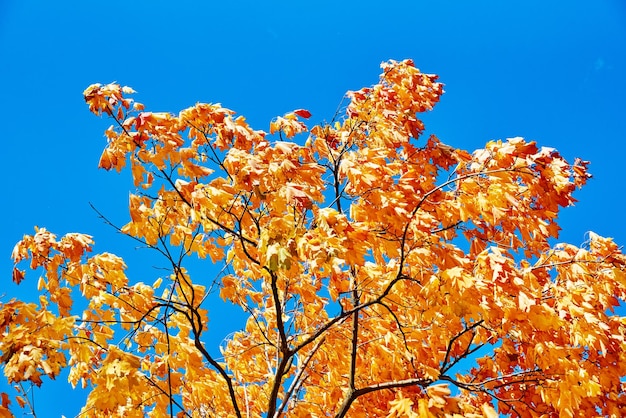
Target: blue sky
553	72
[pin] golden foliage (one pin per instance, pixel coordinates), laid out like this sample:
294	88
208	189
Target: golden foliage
373	266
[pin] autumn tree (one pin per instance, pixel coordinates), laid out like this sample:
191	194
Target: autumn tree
382	273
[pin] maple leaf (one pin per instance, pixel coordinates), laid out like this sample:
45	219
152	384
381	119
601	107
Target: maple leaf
18	275
303	113
401	407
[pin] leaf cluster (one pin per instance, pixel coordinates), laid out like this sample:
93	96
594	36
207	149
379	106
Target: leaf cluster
372	264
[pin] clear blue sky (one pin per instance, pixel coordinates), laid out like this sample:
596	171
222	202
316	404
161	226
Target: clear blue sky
554	72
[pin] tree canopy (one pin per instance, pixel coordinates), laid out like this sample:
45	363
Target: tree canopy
382	273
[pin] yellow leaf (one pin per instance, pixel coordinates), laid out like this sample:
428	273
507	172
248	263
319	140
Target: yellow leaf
525	302
488	411
400	408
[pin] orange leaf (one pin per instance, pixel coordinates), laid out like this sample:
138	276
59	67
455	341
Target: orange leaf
18	275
